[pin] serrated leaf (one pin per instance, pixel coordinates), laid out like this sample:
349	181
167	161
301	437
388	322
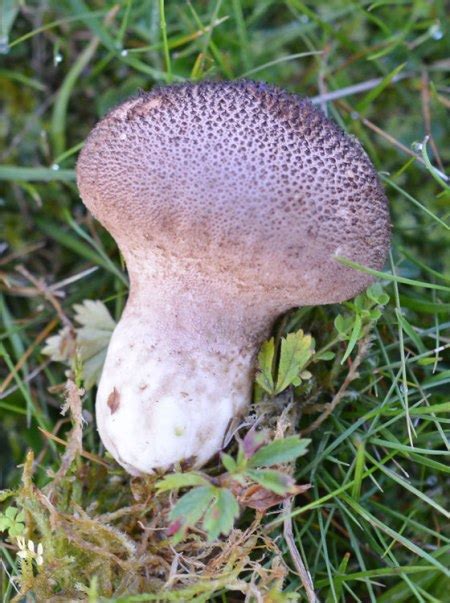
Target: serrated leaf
193	505
91	340
264	378
180	480
220	516
296	350
60	347
279	451
275	481
94	314
92	368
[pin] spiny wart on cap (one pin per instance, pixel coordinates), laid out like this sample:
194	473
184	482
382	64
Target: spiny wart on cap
230	202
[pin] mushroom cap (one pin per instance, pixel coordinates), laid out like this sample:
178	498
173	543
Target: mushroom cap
241	181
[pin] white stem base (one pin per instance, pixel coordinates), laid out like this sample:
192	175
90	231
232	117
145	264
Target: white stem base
161	401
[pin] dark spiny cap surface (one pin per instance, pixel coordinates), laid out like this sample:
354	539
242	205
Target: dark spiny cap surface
241	179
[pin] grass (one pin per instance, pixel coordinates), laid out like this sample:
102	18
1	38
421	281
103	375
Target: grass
374	524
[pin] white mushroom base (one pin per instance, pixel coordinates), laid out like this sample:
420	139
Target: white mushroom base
164	398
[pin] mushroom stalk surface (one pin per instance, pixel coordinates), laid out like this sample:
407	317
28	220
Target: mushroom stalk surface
230	202
179	369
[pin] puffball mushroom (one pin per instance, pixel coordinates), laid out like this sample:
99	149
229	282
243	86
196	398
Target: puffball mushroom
230	202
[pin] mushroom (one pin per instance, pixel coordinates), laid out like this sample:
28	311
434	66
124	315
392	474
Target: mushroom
230	202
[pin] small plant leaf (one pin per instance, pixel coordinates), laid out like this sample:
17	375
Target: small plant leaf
91	340
264	378
279	451
296	350
343	325
228	462
12	521
93	314
4	523
16	530
252	442
355	335
190	508
259	498
180	480
60	347
4	494
220	516
275	481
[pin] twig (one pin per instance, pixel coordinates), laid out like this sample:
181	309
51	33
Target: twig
295	555
357	88
88	455
27	379
351	375
47	293
389	138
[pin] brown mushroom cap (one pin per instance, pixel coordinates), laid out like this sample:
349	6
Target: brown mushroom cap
243	181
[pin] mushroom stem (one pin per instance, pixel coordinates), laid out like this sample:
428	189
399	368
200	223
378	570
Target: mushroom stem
179	368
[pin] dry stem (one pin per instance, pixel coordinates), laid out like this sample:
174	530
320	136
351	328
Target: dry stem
295	554
352	374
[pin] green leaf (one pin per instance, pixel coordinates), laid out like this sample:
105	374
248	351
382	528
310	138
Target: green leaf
193	505
16	530
338	581
180	480
343	325
409	330
228	462
4	523
277	482
356	333
4	494
12	521
374	292
279	451
296	349
264	378
324	356
220	516
11	513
